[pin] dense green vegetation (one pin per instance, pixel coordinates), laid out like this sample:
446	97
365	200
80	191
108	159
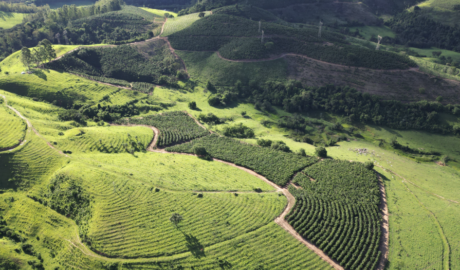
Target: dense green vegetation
356	106
238	38
276	165
123	63
338	211
416	29
175	127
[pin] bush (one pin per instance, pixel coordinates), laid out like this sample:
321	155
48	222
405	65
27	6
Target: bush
264	143
210	87
163	80
210	118
369	165
239	131
302	152
192	105
214	101
422	90
200	151
321	152
281	146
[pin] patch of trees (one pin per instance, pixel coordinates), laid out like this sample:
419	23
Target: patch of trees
18	7
416	29
210	118
276	145
358	107
239	131
277	166
123	63
175	127
396	145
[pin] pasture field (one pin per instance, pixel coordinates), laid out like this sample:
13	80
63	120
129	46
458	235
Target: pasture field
428	66
10	19
180	23
12	128
159	13
193	174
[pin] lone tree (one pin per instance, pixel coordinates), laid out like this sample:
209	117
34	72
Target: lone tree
26	57
175	219
321	152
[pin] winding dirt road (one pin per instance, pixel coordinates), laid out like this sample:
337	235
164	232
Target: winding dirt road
280	220
29	127
385	237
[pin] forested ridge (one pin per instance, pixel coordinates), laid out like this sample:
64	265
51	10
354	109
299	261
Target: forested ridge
416	29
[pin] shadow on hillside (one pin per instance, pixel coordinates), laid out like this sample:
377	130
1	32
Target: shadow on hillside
40	74
194	246
4	15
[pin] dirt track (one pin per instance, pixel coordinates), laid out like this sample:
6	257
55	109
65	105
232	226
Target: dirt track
29	127
385	237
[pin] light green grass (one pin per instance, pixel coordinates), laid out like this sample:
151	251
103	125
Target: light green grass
368	31
428	53
180	23
12	128
158	12
180	172
206	66
426	65
408	221
10	19
441	11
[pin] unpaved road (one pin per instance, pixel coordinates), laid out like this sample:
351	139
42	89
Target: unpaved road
29	127
385	237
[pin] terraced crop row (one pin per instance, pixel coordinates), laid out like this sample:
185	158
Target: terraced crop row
179	172
175	127
30	164
277	166
12	128
105	139
337	210
131	219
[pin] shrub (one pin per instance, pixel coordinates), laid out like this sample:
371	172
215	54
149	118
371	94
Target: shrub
163	80
321	152
439	99
209	118
210	86
302	152
239	131
369	165
192	105
422	90
214	101
281	146
264	143
200	151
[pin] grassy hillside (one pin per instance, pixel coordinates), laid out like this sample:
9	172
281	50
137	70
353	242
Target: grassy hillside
12	128
180	23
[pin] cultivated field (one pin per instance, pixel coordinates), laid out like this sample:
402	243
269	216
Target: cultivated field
180	23
12	128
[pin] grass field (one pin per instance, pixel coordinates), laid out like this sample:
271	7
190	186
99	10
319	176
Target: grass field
193	174
158	12
12	128
205	66
180	23
10	19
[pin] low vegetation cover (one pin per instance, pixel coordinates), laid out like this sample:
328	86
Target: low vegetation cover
175	127
12	128
276	165
337	210
124	62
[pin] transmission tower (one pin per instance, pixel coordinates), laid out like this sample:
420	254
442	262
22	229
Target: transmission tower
378	43
262	36
320	26
260	25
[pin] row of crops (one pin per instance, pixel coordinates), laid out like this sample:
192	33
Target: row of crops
12	128
338	211
277	166
175	127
